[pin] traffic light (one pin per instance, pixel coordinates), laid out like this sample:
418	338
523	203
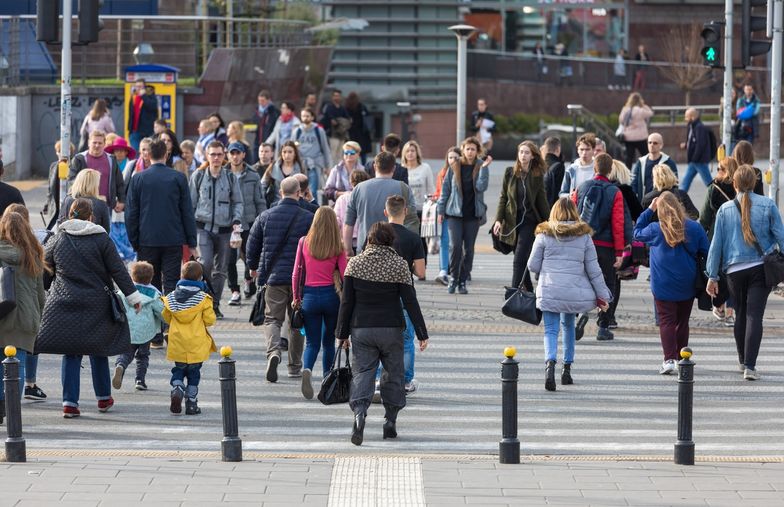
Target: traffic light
749	47
47	21
89	21
711	46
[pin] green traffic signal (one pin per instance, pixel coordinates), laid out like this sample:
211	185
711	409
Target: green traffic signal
710	55
711	38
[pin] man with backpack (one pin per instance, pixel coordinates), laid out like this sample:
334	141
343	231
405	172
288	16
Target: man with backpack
601	205
700	149
217	206
313	148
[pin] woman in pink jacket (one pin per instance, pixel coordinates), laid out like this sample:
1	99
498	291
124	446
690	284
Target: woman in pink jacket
634	119
315	281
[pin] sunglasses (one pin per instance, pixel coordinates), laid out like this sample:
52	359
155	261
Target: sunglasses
349	152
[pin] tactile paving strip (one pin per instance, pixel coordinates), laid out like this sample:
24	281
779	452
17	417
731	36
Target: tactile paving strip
377	482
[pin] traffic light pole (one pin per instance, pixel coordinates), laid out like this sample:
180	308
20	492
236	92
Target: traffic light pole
775	97
726	130
65	94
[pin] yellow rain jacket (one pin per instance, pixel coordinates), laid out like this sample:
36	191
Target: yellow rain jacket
188	311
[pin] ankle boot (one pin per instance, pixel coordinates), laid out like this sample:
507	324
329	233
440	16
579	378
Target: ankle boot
549	376
358	431
390	418
566	375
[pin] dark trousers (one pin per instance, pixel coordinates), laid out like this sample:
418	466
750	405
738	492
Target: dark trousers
166	261
371	345
631	146
674	326
750	293
462	235
234	285
606	258
525	242
616	290
142	355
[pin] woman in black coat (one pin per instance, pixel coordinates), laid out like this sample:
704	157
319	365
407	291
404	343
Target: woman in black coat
77	318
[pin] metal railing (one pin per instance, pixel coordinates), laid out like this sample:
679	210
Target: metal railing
181	41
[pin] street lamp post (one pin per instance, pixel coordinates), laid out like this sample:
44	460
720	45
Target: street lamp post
463	32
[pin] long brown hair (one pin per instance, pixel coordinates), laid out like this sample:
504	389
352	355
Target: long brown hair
729	165
744	153
16	230
744	180
98	110
323	239
536	166
672	218
464	160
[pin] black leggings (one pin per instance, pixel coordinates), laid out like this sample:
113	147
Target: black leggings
748	289
631	146
525	242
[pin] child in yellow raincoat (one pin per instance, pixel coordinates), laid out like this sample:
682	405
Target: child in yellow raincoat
188	311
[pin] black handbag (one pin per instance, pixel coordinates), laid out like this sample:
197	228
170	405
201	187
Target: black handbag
704	300
521	305
772	262
499	246
256	316
7	291
297	318
336	386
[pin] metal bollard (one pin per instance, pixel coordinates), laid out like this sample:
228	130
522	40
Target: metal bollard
684	447
509	447
231	445
15	449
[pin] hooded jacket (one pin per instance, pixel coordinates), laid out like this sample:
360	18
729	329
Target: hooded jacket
20	326
147	323
188	311
569	277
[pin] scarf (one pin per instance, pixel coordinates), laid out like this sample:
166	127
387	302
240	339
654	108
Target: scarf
285	118
379	264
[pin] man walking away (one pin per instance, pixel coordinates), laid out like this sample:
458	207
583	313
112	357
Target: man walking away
700	149
272	250
391	144
553	178
217	204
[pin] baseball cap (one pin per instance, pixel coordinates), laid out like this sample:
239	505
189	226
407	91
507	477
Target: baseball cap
237	146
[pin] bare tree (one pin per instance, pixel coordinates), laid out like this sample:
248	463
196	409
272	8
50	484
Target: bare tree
681	48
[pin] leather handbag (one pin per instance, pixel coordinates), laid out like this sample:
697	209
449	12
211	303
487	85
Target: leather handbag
7	290
336	386
297	318
521	305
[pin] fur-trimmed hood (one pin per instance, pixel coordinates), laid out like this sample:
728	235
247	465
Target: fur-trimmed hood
76	227
568	229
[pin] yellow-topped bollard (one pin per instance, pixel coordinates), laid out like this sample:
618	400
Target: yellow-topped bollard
10	351
510	352
226	351
686	353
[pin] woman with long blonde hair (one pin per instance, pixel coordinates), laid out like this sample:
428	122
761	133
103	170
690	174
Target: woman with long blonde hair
675	242
746	228
19	249
462	201
570	282
318	273
86	186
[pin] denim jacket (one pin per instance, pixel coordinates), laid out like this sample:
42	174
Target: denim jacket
451	202
728	246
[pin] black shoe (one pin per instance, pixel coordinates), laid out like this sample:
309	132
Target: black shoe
218	314
579	328
272	368
357	434
549	376
140	385
451	287
192	407
284	344
176	400
461	288
250	289
566	375
613	324
604	335
34	393
389	429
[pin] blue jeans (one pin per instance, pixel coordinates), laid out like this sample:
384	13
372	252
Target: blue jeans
320	306
443	258
192	372
409	351
22	356
71	371
691	171
134	139
552	321
313	181
30	368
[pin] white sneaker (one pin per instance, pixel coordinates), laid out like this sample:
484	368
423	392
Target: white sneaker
668	367
411	387
236	299
750	374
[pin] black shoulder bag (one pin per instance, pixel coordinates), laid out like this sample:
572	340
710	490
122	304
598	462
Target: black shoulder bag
257	313
773	262
521	305
336	386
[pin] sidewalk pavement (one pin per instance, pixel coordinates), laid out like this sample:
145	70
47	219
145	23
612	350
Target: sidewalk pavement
200	479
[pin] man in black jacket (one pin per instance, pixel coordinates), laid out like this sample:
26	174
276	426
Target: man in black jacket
698	150
553	178
159	218
271	251
142	113
266	116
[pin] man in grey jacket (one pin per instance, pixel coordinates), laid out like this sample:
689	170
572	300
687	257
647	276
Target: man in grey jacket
217	203
253	205
313	148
